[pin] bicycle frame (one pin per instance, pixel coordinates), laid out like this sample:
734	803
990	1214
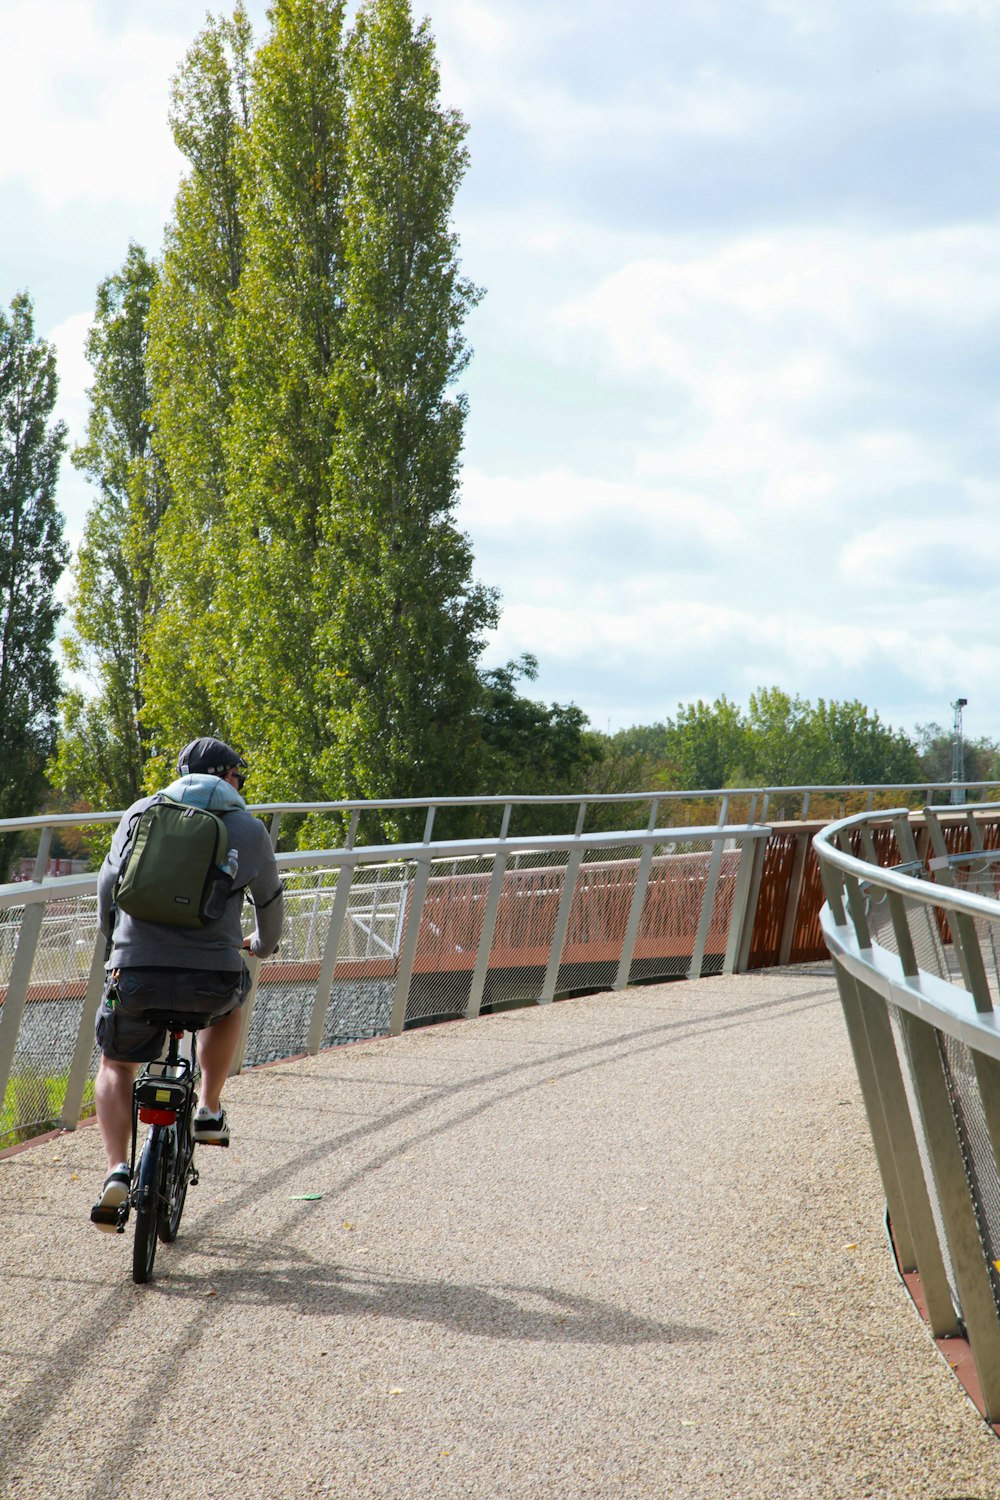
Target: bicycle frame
162	1098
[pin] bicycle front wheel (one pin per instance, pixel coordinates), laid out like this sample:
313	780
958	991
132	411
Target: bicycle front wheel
153	1166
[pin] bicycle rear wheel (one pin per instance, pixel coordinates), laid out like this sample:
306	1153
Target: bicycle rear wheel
153	1165
175	1185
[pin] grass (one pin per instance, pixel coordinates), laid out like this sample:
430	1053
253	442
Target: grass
33	1103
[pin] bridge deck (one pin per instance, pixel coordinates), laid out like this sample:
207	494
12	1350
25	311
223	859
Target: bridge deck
621	1246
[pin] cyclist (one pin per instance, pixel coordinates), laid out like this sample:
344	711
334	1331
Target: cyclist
180	970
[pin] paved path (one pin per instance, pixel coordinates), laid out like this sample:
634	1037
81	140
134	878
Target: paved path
623	1246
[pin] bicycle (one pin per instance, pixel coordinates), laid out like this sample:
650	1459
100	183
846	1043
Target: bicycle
163	1100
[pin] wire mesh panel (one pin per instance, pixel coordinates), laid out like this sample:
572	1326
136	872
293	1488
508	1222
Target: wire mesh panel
448	936
35	1091
46	1039
982	877
598	919
672	911
906	1071
977	1149
368	943
525	925
65	945
10	927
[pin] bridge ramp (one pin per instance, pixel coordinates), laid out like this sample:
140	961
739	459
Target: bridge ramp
622	1246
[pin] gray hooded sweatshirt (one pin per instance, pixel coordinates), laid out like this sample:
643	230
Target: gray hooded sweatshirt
137	944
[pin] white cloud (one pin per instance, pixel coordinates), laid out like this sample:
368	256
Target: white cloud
83	110
75	373
548	507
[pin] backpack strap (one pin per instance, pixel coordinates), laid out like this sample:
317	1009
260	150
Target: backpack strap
263	905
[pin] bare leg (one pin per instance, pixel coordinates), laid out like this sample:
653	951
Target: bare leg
113	1096
217	1046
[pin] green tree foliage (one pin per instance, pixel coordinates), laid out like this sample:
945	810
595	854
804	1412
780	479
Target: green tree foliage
706	745
191	640
102	748
780	740
32	557
860	748
404	618
529	747
282	424
317	600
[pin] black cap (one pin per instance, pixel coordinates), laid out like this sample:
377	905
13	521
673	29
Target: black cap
207	757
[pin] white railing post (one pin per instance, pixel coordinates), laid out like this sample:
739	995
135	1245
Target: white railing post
12	1010
328	963
741	905
634	916
408	952
486	937
562	923
79	1069
707	909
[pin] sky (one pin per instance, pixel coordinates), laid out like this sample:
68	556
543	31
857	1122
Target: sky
735	393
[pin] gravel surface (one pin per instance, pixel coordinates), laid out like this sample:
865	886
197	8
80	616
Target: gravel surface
629	1245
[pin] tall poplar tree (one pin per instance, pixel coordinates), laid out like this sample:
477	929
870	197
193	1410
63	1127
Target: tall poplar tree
397	654
318	607
282	425
191	641
32	557
102	743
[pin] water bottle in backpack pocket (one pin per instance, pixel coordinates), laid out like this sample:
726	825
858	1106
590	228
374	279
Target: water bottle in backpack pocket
221	887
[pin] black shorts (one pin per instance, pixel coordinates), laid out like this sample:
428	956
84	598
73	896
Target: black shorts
127	1032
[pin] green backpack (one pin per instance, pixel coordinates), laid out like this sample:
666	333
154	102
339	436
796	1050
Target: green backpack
177	869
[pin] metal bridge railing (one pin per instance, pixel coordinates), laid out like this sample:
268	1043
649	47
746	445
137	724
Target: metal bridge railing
383	937
646	808
914	937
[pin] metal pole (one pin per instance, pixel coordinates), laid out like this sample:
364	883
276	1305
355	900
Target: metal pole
958	1210
253	964
328	963
562	923
634	916
741	898
29	932
803	844
486	937
707	908
757	875
79	1068
876	1058
408	953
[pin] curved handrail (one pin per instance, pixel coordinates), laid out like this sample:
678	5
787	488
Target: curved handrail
927	1050
886	878
66	887
41	821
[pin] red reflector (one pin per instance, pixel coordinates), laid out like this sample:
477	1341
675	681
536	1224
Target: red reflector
156	1116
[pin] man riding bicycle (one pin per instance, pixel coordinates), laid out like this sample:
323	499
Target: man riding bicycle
155	967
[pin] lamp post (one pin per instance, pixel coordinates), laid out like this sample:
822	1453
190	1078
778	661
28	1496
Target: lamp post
957	752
